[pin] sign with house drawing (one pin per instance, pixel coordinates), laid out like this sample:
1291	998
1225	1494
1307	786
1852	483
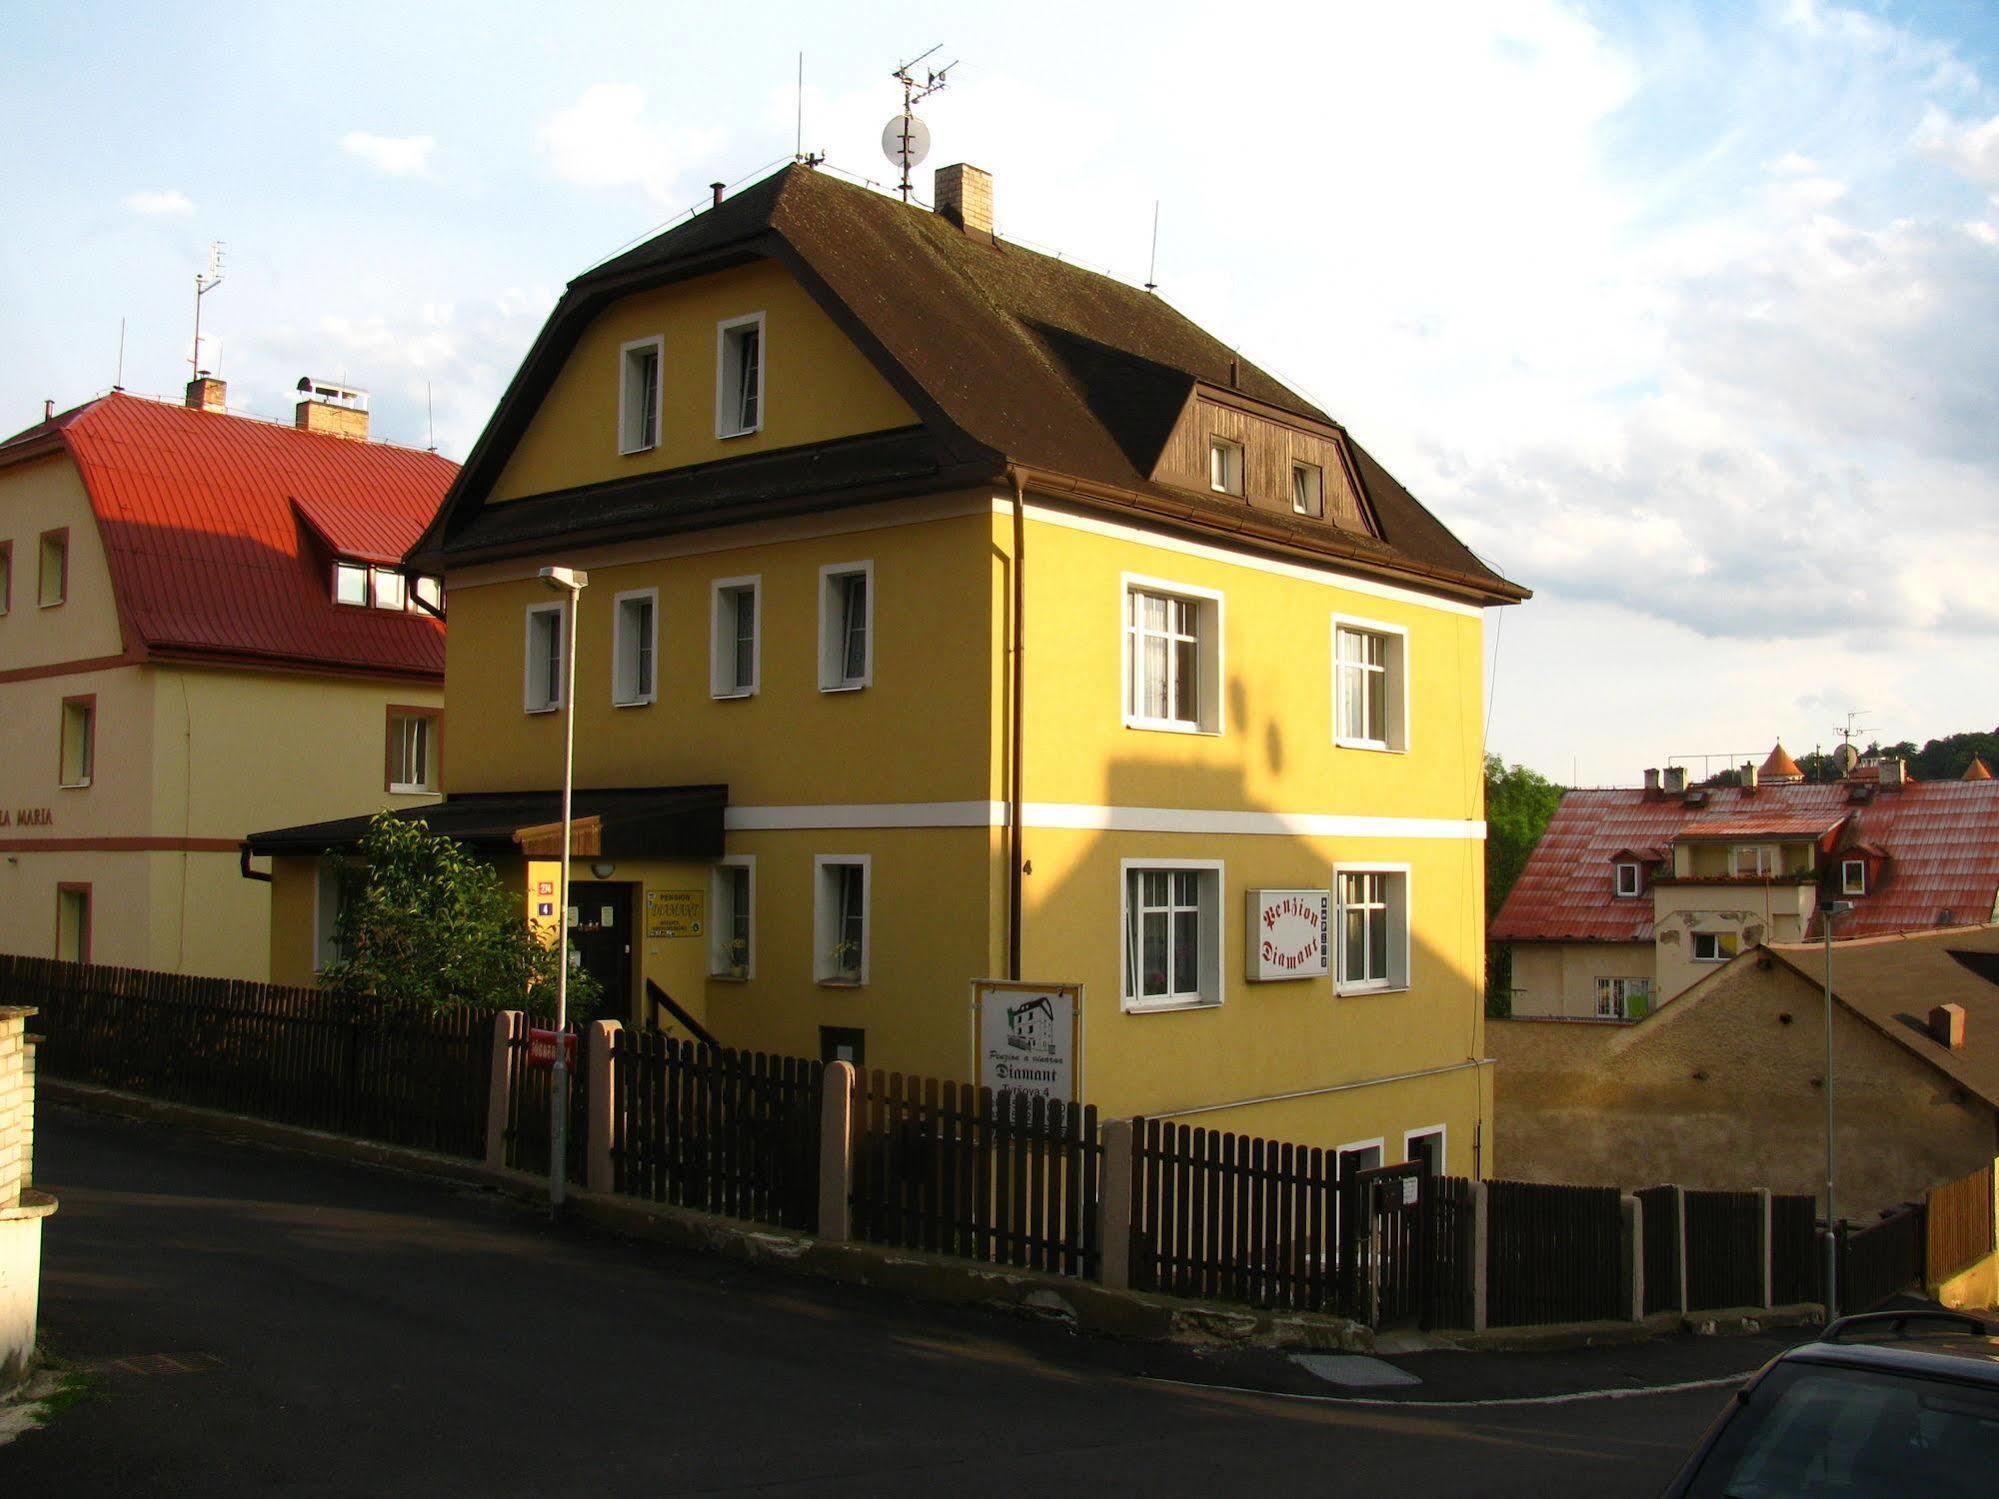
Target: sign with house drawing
1027	1036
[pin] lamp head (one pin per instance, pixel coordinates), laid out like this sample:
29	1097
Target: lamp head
1837	907
570	579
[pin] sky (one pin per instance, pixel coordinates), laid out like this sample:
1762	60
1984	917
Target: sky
1683	315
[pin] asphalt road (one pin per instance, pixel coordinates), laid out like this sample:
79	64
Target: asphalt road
259	1322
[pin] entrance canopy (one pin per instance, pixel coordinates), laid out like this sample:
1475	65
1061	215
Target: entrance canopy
654	822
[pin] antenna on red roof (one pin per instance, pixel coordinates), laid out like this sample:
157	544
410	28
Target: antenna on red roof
204	283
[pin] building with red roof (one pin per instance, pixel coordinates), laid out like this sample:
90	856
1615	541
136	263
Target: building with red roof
205	628
1632	896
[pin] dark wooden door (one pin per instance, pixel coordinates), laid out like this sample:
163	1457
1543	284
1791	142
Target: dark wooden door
601	937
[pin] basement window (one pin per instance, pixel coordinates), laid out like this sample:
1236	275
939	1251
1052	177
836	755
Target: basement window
739	376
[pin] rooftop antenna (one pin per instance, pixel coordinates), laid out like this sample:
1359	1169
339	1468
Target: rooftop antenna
119	383
1852	729
906	139
429	416
1152	266
204	283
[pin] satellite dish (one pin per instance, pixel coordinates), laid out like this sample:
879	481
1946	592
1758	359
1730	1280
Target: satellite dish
905	141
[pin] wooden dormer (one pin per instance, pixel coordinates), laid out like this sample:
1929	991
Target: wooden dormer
1272	442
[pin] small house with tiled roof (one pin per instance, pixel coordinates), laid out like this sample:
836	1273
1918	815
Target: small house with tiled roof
1006	623
1632	896
205	628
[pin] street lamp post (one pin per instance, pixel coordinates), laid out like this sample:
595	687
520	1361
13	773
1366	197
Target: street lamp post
571	581
1827	914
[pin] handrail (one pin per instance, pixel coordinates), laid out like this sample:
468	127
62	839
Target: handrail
672	1007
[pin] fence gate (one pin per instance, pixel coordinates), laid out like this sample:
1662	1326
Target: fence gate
1388	1242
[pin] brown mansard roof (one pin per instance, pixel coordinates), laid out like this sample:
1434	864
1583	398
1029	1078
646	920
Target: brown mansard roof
1009	357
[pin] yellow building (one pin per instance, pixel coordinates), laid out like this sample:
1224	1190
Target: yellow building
203	630
957	613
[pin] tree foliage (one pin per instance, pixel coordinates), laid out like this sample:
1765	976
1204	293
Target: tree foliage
1518	806
427	924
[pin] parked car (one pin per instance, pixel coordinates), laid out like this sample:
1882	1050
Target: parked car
1888	1403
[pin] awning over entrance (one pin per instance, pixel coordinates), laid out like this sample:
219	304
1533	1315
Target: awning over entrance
654	822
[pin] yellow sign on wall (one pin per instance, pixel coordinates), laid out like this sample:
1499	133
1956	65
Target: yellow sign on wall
673	913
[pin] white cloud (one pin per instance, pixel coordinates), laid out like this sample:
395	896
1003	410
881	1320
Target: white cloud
606	140
168	204
397	155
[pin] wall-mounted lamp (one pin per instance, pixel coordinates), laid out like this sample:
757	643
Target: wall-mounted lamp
603	869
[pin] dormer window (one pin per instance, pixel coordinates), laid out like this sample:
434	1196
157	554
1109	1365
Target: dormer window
1853	877
390	592
1758	860
1308	489
1224	465
1630	880
350	584
739	376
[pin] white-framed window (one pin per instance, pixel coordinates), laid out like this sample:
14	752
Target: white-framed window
1172	933
732	926
1370	684
1371	925
1224	465
428	593
840	918
390	591
735	643
1425	1146
1172	656
1853	877
846	626
412	750
79	740
1308	489
1623	999
635	647
1359	1155
541	690
1716	947
350	583
1629	881
639	398
739	375
1759	859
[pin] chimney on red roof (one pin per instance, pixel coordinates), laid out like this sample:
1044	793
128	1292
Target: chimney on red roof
337	410
1947	1026
1747	778
1651	785
207	393
965	197
1676	779
1894	774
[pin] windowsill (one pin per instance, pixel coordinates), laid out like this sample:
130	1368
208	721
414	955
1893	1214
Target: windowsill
412	791
651	447
1379	746
732	978
1169	726
733	694
1384	986
836	983
544	708
743	432
54	604
72	785
842	686
633	702
1168	1006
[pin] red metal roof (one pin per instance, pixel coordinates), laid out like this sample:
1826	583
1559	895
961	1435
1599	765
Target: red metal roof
1762	824
208	554
1941	839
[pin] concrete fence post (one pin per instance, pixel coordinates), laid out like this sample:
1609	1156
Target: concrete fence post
1769	1249
1481	1243
1680	1223
836	1153
1634	1256
600	1107
499	1090
1114	1200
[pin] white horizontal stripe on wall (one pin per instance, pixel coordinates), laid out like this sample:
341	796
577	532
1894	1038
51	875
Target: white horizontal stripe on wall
1083	816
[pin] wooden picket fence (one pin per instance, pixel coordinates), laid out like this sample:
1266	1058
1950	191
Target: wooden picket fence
1004	1178
735	1133
1553	1254
296	1056
1797	1250
1725	1249
1959	1225
1234	1218
1883	1259
1660	1210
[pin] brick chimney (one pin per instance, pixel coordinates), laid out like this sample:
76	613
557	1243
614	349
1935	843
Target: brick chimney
207	393
336	410
1947	1026
965	197
1676	779
1651	785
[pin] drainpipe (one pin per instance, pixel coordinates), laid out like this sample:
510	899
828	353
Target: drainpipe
1017	730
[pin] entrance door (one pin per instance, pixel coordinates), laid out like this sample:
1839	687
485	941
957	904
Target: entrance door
600	937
